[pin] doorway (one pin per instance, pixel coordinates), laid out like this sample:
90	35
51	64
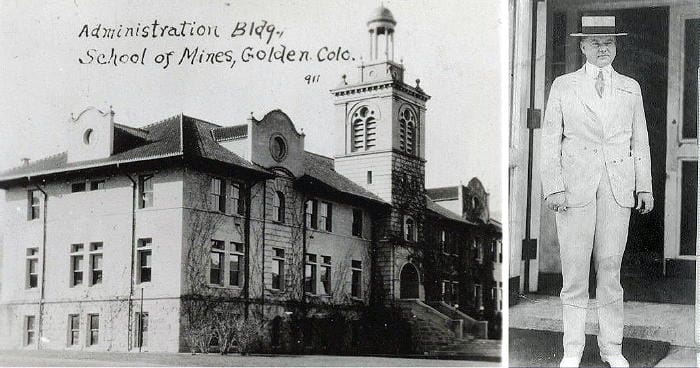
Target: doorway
644	56
409	282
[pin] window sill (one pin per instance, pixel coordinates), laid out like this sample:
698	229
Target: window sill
228	287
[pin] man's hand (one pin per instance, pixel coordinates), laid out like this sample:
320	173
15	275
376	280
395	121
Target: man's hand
556	202
645	202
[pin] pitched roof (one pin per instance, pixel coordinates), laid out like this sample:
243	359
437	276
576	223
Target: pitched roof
199	141
444	212
321	169
230	132
158	140
444	193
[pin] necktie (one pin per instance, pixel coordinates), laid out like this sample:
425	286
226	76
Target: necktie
600	84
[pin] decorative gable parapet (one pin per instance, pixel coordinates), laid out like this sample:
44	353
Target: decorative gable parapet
90	135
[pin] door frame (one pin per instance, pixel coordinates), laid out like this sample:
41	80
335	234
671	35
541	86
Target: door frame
678	149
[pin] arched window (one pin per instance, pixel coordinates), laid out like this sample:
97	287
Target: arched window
364	128
278	206
408	126
409	229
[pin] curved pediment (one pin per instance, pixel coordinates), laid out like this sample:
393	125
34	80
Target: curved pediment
476	201
90	134
277	143
278	117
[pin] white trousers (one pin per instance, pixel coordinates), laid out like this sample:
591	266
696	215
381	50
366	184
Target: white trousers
599	228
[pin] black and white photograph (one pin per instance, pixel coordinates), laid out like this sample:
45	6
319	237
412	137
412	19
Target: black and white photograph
603	183
310	183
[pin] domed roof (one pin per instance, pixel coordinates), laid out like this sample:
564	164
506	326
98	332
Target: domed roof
382	14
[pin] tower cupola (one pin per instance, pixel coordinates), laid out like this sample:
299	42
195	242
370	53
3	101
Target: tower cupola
381	34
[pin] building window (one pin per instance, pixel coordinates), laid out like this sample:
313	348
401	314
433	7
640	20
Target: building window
311	211
237	200
356	287
450	292
76	264
326	275
141	329
278	269
145	191
499	247
235	262
33	210
77	187
310	274
218	194
144	255
407	131
443	241
73	329
446	291
326	213
409	228
478	297
479	252
500	296
455	292
364	129
95	263
278	206
217	262
451	243
29	330
356	222
94	324
369	177
97	184
278	148
32	279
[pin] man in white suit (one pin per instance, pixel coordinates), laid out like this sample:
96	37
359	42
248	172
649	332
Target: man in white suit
595	160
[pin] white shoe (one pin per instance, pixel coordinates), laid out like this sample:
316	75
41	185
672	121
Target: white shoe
570	361
615	361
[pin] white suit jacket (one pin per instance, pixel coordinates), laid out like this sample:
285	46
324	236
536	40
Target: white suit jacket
584	137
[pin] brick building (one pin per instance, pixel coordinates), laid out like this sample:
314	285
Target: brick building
105	243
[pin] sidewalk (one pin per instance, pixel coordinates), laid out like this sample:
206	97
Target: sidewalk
672	323
36	358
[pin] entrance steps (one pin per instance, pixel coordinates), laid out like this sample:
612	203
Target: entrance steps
446	334
673	323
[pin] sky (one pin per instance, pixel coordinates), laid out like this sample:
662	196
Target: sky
47	72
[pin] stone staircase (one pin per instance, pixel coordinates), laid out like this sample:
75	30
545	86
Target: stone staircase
470	326
438	334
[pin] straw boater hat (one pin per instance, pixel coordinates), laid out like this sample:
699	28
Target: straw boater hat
598	25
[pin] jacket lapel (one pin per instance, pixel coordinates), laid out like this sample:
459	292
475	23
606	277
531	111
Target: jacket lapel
585	92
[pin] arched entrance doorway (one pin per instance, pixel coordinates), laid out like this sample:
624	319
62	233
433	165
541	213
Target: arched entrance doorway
409	282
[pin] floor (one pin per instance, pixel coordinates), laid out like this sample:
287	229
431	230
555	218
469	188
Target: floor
681	356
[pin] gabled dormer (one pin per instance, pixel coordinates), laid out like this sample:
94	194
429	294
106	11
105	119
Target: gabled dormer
272	142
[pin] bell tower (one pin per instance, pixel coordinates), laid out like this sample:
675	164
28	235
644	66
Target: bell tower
382	147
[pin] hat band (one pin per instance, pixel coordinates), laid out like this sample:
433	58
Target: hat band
598	30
